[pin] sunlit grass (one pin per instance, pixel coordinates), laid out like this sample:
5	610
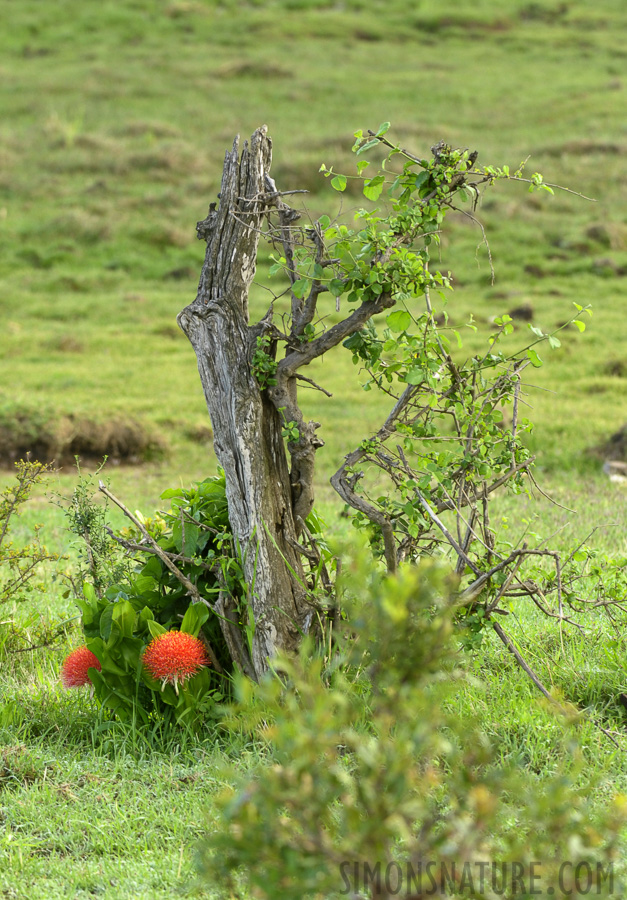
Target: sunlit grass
115	122
108	168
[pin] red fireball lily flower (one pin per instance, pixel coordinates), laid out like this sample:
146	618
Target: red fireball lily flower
173	657
74	670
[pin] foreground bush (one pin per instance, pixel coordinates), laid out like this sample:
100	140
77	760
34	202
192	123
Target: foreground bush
372	789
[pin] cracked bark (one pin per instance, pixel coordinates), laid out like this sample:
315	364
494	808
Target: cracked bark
268	499
246	424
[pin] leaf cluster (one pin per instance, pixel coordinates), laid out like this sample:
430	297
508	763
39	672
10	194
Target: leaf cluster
150	600
422	484
263	365
454	434
117	632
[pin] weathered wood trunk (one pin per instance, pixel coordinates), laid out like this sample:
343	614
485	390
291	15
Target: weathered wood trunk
246	425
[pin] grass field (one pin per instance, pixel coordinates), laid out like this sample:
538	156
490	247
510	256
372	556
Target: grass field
115	121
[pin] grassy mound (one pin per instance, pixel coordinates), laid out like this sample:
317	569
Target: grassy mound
51	436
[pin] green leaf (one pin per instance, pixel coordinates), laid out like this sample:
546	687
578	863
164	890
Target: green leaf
108	666
315	522
339	182
89	592
383	129
155	628
415	376
88	612
143	584
171	492
537	331
554	342
186	536
580	325
324	222
299	288
153	567
130	649
536	362
398	321
373	187
367	146
106	622
123	616
421	178
195	617
336	287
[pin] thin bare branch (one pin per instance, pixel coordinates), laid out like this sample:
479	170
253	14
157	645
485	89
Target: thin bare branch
147	548
526	668
547	496
313	384
191	589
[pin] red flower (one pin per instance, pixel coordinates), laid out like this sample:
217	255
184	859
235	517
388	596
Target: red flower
174	657
74	669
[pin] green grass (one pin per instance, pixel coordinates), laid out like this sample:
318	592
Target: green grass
115	121
90	811
107	169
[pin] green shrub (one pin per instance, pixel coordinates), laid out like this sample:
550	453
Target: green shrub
19	565
121	619
370	774
186	563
